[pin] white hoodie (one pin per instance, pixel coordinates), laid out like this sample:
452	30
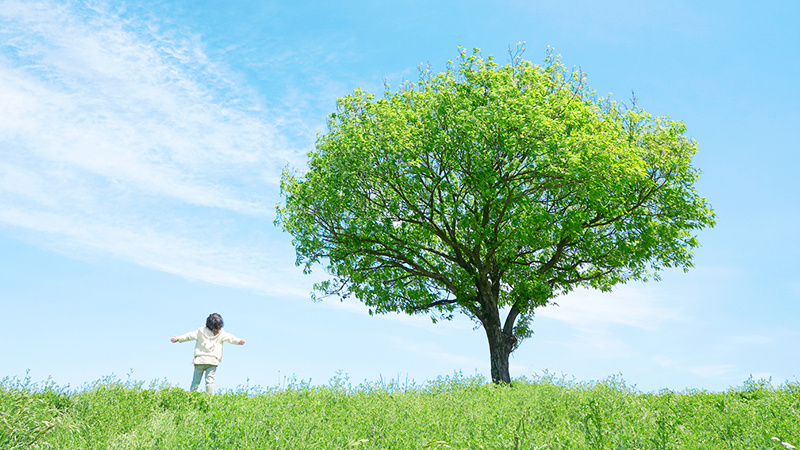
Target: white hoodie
208	349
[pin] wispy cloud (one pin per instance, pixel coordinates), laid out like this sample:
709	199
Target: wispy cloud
119	136
710	370
628	305
794	288
700	370
459	323
597	317
752	339
436	353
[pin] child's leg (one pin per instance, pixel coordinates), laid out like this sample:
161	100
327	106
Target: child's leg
210	373
198	374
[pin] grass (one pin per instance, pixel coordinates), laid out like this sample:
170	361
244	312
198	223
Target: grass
450	412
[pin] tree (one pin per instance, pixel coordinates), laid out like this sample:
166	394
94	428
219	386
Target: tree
490	190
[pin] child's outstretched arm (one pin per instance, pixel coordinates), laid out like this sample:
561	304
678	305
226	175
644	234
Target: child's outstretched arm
232	339
190	336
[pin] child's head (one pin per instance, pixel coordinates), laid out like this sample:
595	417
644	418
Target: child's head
214	323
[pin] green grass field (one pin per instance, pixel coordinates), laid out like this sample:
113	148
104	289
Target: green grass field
451	412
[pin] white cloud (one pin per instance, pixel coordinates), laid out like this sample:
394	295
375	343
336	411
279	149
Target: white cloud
349	304
120	137
150	112
702	370
752	339
664	361
459	323
174	254
435	353
597	343
710	370
632	306
597	316
794	288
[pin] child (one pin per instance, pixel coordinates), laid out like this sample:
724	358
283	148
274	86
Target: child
208	350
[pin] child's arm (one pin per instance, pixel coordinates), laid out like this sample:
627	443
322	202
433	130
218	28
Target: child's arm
232	339
190	336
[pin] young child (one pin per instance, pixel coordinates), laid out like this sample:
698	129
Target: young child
208	349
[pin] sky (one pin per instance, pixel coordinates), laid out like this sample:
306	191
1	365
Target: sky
142	143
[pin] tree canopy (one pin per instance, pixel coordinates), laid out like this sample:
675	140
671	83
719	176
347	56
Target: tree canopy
491	189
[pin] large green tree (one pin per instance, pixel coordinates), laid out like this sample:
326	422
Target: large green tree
489	190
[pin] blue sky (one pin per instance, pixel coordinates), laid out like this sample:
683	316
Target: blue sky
141	146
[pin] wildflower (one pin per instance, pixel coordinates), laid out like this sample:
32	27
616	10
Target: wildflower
785	444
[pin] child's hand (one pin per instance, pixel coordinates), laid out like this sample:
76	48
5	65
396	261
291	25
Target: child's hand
241	343
174	339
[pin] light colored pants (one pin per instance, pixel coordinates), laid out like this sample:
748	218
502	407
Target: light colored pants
210	371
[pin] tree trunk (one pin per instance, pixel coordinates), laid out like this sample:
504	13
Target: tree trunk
500	347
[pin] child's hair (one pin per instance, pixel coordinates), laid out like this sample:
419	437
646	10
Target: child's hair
214	322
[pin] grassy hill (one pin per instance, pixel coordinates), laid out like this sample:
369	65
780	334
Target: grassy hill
450	412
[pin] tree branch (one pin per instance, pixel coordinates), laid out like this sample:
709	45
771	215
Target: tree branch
433	304
508	327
